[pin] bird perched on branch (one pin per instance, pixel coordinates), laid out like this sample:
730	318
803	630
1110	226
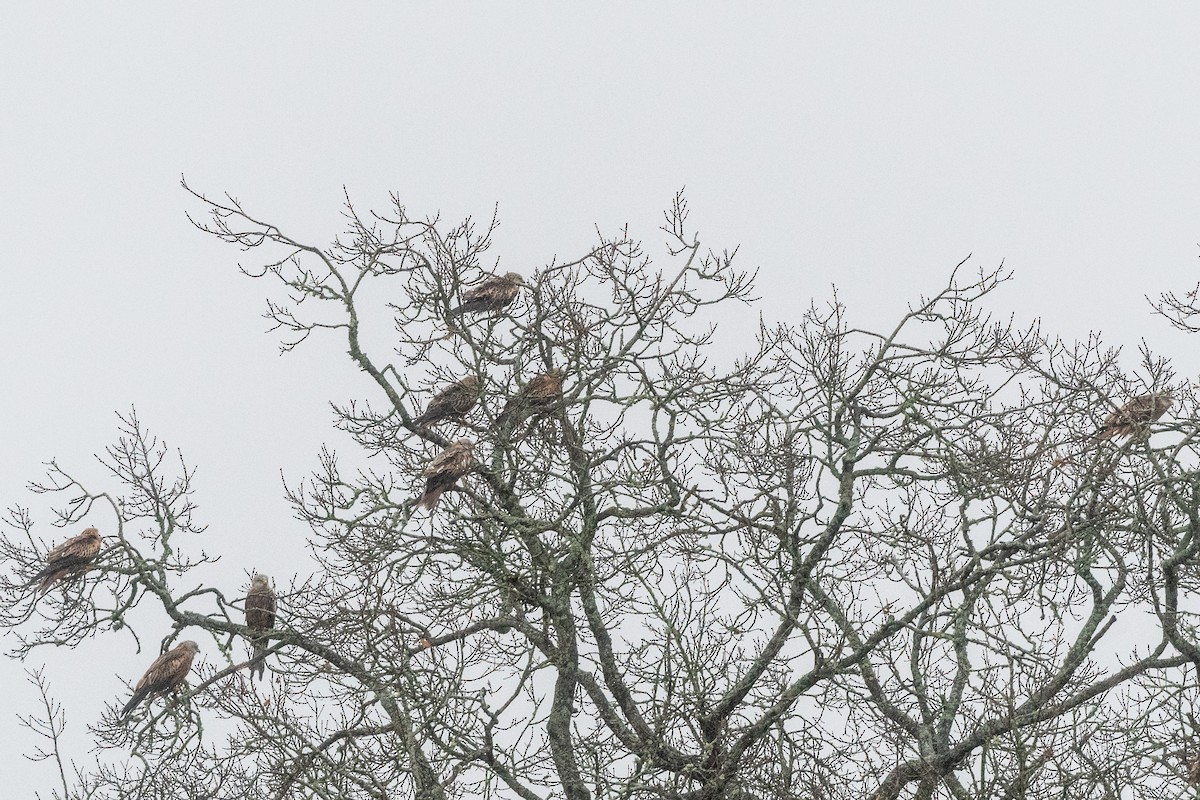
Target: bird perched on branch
453	402
1135	416
260	618
541	394
70	559
493	294
445	469
166	674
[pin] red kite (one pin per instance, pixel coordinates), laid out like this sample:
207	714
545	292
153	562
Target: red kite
260	618
166	674
70	559
539	395
1135	416
445	469
493	294
452	402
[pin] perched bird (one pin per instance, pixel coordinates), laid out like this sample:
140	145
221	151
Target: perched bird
70	559
445	469
493	294
452	402
1135	415
260	618
539	395
166	674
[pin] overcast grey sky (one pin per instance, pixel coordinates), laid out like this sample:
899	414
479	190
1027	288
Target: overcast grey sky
872	149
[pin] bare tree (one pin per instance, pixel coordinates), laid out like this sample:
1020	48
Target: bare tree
849	563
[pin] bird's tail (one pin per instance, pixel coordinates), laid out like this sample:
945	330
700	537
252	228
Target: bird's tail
258	660
49	578
138	697
510	417
430	498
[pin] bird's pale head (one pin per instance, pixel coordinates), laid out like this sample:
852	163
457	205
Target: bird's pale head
471	382
466	444
91	533
514	277
190	645
260	581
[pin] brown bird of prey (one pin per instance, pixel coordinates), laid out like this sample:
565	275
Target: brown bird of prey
539	395
1135	416
493	294
70	559
260	618
453	402
166	674
445	469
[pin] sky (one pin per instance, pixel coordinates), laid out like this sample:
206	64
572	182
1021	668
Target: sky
865	147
